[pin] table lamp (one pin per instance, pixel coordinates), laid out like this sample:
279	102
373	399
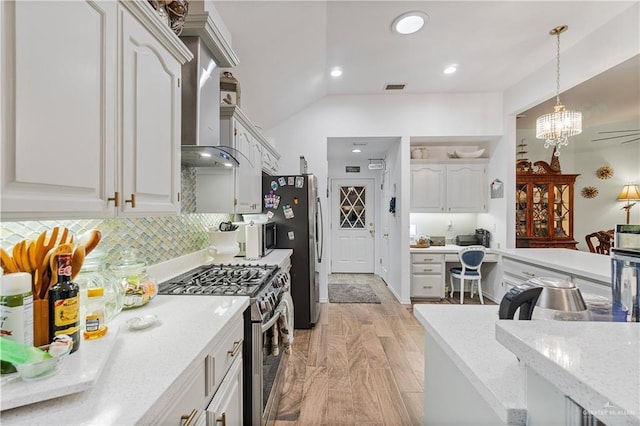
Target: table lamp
629	193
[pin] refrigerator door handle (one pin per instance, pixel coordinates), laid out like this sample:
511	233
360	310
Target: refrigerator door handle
319	232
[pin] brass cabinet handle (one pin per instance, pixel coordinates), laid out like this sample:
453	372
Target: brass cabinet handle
222	419
427	270
529	274
188	418
132	201
115	199
236	347
427	286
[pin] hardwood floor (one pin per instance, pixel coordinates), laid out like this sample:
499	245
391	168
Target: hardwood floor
361	364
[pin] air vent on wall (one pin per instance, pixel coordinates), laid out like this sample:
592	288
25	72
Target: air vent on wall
394	87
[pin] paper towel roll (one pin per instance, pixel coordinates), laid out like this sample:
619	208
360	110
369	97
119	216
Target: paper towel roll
252	238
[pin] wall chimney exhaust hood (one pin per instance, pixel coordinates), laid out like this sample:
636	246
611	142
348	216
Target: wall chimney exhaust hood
201	95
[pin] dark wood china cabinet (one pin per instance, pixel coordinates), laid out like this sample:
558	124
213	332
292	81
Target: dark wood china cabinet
544	206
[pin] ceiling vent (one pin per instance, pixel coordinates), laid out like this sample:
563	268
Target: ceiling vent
394	87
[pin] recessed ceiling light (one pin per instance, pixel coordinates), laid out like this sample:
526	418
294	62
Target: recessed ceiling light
336	72
356	150
409	22
451	69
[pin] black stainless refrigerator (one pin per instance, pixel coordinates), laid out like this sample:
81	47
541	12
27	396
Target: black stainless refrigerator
292	203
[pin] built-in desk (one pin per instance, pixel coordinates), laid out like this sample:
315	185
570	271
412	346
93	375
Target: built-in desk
430	270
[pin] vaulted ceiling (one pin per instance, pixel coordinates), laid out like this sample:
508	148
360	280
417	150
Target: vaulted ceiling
287	48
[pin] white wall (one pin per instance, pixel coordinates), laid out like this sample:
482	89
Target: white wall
386	115
444	224
614	42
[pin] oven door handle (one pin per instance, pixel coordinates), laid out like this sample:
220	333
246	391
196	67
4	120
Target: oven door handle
270	323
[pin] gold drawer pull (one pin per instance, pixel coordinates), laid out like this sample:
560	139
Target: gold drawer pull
427	270
222	419
236	348
427	286
529	274
189	418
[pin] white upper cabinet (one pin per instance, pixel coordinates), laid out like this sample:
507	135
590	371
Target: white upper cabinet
239	133
58	94
90	110
150	122
466	188
448	188
428	188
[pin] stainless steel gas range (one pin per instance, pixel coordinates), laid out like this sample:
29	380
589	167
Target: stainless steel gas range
265	285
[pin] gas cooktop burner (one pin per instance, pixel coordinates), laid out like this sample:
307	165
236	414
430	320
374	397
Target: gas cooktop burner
220	280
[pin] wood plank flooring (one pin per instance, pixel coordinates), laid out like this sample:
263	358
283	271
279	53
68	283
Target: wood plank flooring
361	364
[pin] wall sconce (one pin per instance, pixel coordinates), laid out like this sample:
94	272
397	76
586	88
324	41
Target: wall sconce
629	193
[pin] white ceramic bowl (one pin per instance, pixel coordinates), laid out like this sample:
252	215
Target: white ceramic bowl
468	154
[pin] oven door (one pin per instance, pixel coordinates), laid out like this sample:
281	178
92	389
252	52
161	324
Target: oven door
268	373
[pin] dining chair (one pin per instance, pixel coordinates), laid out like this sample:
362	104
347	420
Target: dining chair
471	259
604	240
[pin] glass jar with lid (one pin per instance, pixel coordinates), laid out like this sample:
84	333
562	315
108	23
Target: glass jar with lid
139	287
95	274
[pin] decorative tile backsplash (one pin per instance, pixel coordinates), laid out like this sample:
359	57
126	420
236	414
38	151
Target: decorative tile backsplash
156	239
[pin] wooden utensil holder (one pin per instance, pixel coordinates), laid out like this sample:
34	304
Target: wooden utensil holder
41	322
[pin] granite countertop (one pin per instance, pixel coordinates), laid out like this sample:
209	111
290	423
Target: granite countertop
597	364
581	263
143	366
467	334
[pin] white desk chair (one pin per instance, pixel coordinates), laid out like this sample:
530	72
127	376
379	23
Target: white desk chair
471	259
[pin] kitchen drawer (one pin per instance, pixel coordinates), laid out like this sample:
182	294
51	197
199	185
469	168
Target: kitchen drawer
429	286
225	350
527	271
426	268
189	399
426	258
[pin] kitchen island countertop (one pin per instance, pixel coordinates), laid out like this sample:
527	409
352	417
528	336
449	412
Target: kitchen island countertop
466	334
596	364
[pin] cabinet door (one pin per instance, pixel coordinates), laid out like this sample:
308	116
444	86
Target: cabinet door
226	405
427	188
150	122
57	89
244	172
466	188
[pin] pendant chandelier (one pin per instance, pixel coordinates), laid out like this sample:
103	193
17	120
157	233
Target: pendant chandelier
556	127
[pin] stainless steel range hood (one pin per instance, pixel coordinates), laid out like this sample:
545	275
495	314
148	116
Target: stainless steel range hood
201	110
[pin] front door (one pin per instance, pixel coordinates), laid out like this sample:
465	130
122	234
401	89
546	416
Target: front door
352	225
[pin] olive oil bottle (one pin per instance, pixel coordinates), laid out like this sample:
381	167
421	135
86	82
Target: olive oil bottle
64	304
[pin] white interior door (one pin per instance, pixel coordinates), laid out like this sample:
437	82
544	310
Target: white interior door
384	226
352	225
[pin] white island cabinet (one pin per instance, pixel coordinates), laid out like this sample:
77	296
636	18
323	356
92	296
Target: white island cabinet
590	272
90	94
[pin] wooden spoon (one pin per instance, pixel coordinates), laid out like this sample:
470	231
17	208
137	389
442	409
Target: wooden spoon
8	264
90	240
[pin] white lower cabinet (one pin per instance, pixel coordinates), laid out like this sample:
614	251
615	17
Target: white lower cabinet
95	132
226	405
427	275
213	392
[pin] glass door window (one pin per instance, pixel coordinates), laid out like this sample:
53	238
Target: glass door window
352	207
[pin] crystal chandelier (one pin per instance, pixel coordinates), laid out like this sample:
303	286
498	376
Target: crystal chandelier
556	127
